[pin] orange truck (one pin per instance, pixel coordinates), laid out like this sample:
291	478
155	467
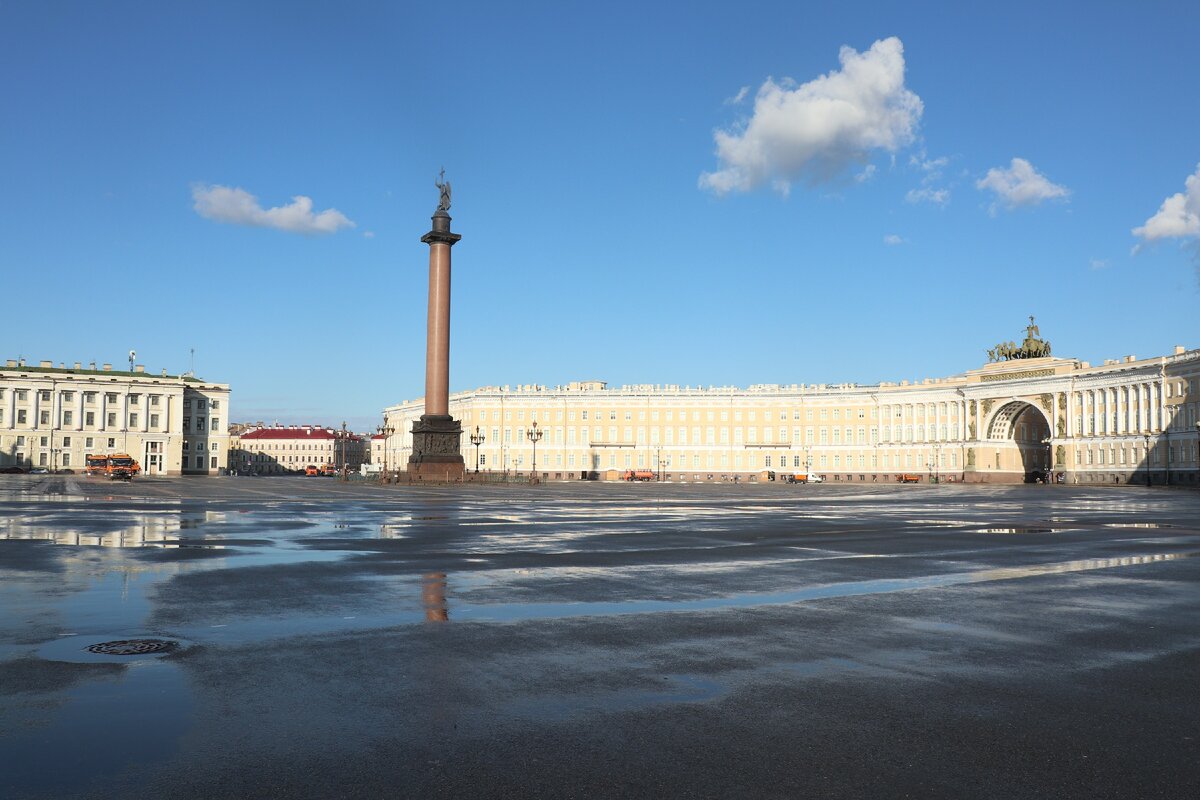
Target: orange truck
311	471
908	477
638	475
804	477
112	465
329	470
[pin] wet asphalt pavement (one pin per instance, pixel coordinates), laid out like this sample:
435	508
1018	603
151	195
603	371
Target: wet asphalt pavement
598	640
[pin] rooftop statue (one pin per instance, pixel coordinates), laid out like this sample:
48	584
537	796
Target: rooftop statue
1033	346
443	186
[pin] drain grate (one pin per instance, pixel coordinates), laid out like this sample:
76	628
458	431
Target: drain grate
132	647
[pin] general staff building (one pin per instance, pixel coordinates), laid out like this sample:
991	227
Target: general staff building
1127	420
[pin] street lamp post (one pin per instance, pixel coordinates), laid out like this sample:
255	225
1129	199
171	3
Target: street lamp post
477	438
1167	455
385	431
535	436
1146	436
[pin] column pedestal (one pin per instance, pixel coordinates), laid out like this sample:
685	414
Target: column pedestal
437	451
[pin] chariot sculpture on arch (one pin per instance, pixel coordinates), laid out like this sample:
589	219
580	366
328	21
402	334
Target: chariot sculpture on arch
1033	346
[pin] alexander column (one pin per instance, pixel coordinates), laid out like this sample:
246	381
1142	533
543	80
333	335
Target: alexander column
436	451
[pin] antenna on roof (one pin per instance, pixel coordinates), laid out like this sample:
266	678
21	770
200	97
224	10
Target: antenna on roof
132	358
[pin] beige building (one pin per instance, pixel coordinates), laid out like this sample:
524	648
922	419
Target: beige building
52	417
279	449
1125	420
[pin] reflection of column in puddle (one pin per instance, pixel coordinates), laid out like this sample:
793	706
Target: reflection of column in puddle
433	597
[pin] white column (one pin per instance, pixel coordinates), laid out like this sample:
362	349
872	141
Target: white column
79	413
37	406
103	411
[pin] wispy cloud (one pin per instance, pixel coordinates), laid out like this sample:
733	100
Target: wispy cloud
815	131
739	97
1177	218
1020	185
928	194
238	207
892	239
931	175
1098	263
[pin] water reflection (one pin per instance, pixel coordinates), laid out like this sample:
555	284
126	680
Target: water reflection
433	597
148	531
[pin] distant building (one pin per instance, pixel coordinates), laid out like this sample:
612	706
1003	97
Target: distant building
280	449
53	417
1127	420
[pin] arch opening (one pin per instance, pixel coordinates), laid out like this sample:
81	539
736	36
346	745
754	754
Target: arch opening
1021	434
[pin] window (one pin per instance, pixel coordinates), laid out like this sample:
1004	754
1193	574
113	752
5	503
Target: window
199	424
154	420
110	397
22	394
89	418
66	442
154	400
199	462
133	420
88	443
214	403
186	445
44	395
112	442
21	420
112	419
214	447
216	423
20	441
213	462
43	417
133	399
187	424
68	397
66	459
89	397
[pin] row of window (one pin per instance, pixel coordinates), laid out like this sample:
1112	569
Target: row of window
43	395
918	410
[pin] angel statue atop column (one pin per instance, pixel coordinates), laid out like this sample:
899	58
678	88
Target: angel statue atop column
443	186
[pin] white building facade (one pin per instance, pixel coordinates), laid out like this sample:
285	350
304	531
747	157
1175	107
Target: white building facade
53	417
1124	421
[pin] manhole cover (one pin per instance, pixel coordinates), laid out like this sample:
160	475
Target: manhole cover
132	647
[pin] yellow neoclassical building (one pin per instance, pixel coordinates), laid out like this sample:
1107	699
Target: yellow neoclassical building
1127	420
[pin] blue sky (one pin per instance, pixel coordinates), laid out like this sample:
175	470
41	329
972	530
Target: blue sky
722	196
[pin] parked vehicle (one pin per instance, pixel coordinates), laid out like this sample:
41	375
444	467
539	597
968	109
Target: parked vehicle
638	475
908	477
123	465
95	464
329	471
12	470
311	471
39	471
804	477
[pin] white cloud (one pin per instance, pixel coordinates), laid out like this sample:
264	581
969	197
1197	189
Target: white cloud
1020	185
866	175
814	131
368	234
239	207
1178	217
892	239
928	195
1099	263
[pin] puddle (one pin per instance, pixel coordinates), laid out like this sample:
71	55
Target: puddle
512	612
1137	525
99	728
1023	529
